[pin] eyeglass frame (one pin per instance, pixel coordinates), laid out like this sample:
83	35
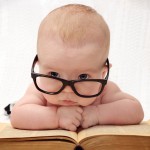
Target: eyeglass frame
68	82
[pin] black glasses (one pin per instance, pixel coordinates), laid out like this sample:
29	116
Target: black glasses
86	88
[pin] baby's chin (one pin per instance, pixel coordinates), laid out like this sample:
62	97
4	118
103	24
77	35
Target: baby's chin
69	103
72	103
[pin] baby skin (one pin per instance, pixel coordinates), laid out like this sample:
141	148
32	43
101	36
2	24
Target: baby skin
73	49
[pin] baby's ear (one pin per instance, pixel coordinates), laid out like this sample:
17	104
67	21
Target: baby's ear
105	70
110	65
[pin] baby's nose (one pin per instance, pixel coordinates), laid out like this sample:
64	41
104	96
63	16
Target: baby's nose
67	89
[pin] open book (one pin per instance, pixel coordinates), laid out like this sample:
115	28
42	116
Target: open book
105	137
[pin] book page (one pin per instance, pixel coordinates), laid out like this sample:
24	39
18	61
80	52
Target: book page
9	133
142	129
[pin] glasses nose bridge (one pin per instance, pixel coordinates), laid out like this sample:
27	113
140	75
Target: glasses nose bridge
68	83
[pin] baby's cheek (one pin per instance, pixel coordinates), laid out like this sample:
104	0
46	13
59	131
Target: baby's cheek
51	99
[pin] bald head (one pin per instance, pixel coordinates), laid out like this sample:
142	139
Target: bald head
75	25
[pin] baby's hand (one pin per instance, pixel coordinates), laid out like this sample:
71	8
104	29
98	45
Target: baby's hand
89	116
69	117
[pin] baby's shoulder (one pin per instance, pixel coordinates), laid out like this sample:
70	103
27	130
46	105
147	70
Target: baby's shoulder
31	90
109	93
32	95
111	87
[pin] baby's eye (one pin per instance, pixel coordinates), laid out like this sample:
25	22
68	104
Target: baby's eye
83	76
54	74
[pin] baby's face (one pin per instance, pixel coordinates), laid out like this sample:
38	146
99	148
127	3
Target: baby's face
70	63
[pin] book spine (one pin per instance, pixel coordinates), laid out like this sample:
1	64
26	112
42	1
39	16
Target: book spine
78	147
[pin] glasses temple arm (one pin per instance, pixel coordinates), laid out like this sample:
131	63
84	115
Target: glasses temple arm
107	63
34	62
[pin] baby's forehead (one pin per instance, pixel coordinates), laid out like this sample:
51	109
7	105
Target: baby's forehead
58	54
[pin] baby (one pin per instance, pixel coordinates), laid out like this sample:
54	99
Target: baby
71	87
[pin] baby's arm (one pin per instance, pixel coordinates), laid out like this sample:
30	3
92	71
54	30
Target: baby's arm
31	112
116	107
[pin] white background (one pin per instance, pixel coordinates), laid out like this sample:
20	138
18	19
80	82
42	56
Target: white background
129	23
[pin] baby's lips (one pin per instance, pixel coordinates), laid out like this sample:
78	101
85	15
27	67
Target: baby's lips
69	102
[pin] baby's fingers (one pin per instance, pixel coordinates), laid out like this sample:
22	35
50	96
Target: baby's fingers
78	117
72	127
84	124
80	110
76	122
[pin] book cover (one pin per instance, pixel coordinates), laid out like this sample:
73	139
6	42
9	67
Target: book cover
106	137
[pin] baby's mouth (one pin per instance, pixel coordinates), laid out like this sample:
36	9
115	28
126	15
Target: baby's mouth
69	102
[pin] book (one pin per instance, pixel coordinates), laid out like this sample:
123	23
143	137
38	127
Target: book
103	137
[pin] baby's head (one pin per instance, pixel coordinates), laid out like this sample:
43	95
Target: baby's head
73	44
74	25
